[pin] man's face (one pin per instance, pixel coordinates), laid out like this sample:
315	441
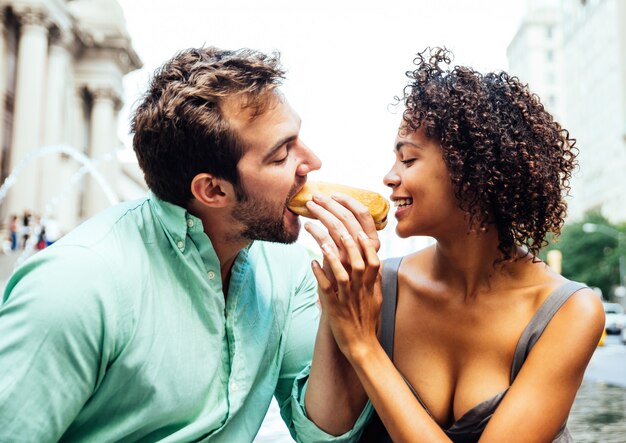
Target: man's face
272	170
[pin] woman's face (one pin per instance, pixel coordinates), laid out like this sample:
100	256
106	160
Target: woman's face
422	191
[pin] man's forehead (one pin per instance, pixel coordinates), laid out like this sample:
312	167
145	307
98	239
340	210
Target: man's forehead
241	109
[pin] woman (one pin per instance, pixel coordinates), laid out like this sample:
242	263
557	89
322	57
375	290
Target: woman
490	343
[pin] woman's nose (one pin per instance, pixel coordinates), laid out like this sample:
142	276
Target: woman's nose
391	179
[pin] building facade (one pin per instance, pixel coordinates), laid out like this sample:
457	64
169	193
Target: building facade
586	42
535	54
61	69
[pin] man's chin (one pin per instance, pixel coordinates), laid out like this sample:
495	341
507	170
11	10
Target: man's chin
288	233
292	231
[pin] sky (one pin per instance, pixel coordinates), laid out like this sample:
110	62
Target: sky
345	60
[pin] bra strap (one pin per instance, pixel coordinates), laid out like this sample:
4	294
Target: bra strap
388	308
540	321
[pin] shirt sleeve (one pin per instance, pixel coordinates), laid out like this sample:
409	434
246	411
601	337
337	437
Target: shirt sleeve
296	364
53	347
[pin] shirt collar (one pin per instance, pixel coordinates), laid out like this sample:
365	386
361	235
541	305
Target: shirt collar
173	217
178	222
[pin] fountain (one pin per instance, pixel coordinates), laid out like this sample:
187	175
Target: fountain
88	166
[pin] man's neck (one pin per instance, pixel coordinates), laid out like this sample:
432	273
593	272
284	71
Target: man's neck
227	254
219	227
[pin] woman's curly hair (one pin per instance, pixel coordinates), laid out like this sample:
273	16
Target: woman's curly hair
510	163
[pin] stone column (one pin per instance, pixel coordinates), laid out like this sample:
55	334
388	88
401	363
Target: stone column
55	173
71	210
3	76
27	124
102	148
57	169
58	79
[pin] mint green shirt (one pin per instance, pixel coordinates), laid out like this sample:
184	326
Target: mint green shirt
120	331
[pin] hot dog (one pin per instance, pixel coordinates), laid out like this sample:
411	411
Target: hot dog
375	203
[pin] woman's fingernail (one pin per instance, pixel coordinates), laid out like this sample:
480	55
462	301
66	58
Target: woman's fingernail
318	196
363	235
326	248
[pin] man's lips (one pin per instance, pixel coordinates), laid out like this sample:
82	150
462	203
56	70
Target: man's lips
292	195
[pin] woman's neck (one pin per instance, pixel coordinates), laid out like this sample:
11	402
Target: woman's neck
470	263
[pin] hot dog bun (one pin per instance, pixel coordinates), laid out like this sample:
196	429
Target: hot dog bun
376	203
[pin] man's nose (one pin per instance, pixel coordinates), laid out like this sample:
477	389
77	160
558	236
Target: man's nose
310	161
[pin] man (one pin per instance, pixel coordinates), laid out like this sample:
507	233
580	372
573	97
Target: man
177	317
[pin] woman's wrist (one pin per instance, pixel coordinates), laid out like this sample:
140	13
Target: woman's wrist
360	353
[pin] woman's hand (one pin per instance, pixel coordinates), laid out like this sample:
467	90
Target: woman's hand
349	282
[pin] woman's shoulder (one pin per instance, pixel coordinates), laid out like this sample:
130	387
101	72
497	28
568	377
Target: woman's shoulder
415	269
579	296
581	316
420	259
584	305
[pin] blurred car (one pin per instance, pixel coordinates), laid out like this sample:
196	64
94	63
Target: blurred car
615	318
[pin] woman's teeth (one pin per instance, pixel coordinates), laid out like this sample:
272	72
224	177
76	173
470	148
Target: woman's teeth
402	202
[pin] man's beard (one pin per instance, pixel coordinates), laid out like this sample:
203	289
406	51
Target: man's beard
262	219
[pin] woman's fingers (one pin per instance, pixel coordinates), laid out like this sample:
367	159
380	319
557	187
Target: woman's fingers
322	237
355	260
371	259
330	221
341	275
338	218
325	287
362	215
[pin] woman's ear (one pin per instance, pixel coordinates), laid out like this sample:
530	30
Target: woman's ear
212	191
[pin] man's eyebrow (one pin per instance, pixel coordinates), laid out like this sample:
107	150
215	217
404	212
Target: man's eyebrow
279	144
399	145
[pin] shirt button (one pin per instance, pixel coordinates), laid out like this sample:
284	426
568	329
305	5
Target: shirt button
211	275
180	244
190	223
233	386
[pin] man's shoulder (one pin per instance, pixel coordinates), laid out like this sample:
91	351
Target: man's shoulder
98	247
124	219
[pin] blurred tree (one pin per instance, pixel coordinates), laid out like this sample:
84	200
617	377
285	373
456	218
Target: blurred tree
591	258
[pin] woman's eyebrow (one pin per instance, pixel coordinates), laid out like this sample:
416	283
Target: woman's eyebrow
400	145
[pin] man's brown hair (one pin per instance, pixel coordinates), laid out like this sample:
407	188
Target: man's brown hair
179	129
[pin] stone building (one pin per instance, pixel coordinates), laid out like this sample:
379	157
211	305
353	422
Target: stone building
573	54
61	69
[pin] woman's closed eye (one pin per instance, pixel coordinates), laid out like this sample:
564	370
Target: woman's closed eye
408	161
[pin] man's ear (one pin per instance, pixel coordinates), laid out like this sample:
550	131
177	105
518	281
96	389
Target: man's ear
212	191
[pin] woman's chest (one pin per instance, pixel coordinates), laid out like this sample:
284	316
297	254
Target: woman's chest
454	355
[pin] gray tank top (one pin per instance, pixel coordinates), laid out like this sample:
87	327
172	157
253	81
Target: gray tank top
471	425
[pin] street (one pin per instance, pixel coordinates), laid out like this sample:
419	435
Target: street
599	412
608	364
